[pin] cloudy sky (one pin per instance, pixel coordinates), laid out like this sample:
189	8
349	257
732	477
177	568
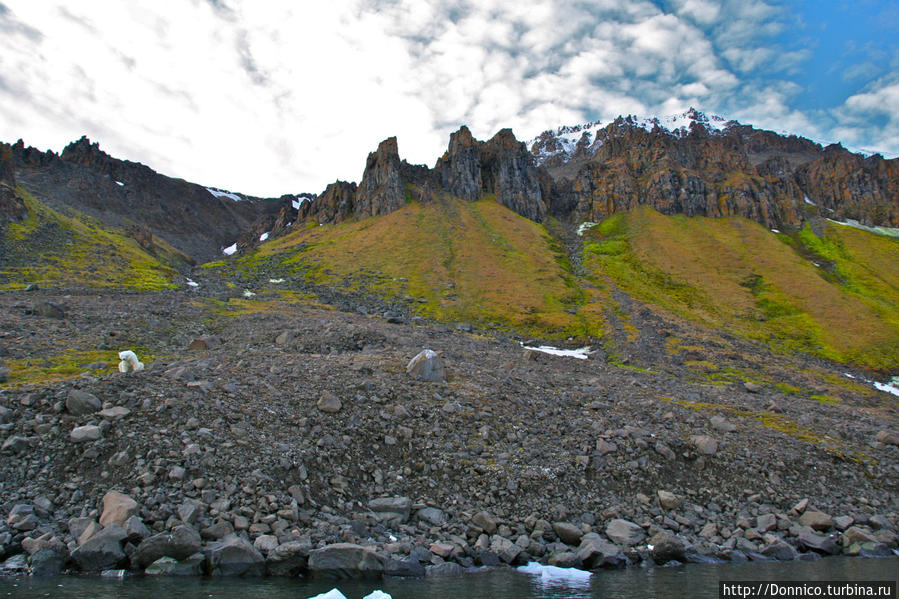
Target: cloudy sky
269	97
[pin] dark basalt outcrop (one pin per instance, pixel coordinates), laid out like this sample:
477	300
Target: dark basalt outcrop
12	207
124	194
777	180
470	169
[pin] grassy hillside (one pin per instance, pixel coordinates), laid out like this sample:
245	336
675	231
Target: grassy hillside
831	291
456	261
53	249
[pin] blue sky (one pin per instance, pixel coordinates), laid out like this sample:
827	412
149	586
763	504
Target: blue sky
277	97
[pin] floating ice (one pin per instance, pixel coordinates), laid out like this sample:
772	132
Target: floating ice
228	251
264	236
581	354
224	194
377	595
556	576
332	594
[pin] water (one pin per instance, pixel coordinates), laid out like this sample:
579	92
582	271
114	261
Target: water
694	581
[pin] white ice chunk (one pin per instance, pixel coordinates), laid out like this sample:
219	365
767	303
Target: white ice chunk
377	595
120	184
332	594
228	251
248	293
581	354
224	194
848	376
276	280
192	283
775	231
808	201
555	576
264	236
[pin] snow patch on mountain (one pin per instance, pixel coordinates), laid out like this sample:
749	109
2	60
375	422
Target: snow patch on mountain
224	194
565	140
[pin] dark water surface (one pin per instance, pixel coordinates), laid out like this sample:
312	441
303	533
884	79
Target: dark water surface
693	581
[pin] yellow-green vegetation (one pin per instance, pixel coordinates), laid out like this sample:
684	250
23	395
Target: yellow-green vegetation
476	262
67	364
53	249
777	422
734	274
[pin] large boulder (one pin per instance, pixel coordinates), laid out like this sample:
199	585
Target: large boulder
233	556
182	542
624	532
427	366
117	508
345	560
394	510
103	551
596	552
666	547
81	403
288	559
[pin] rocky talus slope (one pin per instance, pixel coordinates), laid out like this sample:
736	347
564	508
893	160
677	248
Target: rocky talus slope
276	437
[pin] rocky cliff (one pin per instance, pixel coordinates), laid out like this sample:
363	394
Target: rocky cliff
12	208
702	166
197	220
470	169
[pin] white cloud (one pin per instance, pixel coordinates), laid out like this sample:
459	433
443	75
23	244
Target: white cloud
276	97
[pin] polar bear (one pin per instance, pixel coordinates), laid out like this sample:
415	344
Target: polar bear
129	362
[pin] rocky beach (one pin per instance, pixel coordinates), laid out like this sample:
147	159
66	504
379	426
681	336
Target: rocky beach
279	438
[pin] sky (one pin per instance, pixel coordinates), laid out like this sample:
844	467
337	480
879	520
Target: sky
268	97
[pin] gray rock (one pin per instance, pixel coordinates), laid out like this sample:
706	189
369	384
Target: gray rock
329	403
721	424
816	520
780	551
345	560
888	437
406	567
288	559
15	444
444	550
485	522
752	387
233	556
666	547
432	516
182	542
48	561
217	530
103	551
49	310
266	543
858	534
5	414
114	413
820	543
704	444
843	522
81	403
391	509
136	529
565	559
504	548
766	522
426	366
117	508
568	533
88	432
624	532
668	500
596	552
169	566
